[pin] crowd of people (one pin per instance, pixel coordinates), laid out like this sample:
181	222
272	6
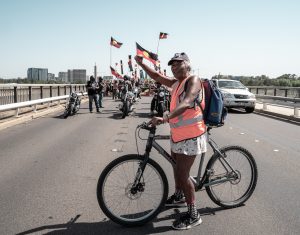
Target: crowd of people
97	89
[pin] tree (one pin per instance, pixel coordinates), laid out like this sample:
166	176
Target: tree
284	82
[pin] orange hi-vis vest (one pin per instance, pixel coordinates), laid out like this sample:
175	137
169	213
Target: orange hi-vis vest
190	123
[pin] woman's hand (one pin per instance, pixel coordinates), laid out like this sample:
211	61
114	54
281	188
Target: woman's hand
138	59
156	121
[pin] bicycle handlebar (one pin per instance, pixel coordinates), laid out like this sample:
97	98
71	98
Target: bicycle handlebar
146	126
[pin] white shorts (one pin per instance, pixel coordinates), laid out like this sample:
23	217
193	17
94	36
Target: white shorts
190	147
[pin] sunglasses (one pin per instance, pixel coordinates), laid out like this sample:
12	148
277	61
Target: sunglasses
176	62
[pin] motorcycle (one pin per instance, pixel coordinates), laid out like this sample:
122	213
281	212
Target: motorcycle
162	101
128	99
73	105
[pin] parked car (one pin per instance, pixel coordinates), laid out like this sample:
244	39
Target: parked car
236	95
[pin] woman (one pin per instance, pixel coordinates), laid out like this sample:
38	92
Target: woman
188	138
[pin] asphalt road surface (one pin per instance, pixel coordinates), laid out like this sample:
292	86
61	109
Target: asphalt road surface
49	168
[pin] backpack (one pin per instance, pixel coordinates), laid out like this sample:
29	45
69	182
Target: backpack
214	112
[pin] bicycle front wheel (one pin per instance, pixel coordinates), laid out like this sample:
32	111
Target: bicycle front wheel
128	205
232	179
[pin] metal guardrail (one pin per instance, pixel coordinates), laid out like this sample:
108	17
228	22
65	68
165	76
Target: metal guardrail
34	103
14	93
292	92
293	100
266	101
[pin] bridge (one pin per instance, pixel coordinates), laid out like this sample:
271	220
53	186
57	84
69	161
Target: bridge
49	169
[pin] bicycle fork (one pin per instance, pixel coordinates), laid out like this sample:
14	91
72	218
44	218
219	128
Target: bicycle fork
137	185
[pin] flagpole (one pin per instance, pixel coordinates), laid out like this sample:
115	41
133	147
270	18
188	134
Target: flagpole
157	52
157	46
110	54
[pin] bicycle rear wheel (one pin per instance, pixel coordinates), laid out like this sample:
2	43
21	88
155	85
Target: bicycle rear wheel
234	188
124	204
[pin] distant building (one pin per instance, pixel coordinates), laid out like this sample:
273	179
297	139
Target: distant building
77	75
51	76
37	74
107	77
63	76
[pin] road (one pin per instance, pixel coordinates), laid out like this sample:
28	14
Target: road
49	169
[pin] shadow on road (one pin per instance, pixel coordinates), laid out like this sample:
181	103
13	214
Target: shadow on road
108	227
238	111
61	116
141	115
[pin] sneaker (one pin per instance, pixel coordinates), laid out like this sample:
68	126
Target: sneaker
91	111
186	222
98	111
176	201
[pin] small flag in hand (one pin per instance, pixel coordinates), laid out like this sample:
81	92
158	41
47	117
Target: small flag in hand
148	55
115	73
115	43
163	35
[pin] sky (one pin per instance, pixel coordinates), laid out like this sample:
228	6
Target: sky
228	37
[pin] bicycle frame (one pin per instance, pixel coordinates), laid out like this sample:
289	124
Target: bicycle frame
201	180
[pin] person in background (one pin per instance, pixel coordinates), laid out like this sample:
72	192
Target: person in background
107	88
101	91
115	90
92	87
137	84
153	101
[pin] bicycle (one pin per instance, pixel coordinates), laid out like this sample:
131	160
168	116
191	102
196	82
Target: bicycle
138	190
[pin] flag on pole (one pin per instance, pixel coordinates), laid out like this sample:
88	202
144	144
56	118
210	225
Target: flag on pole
163	35
130	63
115	73
148	55
115	43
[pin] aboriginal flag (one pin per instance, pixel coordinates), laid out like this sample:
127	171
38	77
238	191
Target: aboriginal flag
153	58
163	35
115	73
115	43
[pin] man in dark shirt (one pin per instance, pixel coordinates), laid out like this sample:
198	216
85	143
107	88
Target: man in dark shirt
101	91
153	101
92	88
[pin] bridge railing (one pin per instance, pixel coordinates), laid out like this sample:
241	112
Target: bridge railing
269	100
292	92
15	93
34	103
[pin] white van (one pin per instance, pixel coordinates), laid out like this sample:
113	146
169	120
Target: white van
236	95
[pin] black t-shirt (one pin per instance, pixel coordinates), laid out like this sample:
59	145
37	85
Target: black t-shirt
101	86
91	88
